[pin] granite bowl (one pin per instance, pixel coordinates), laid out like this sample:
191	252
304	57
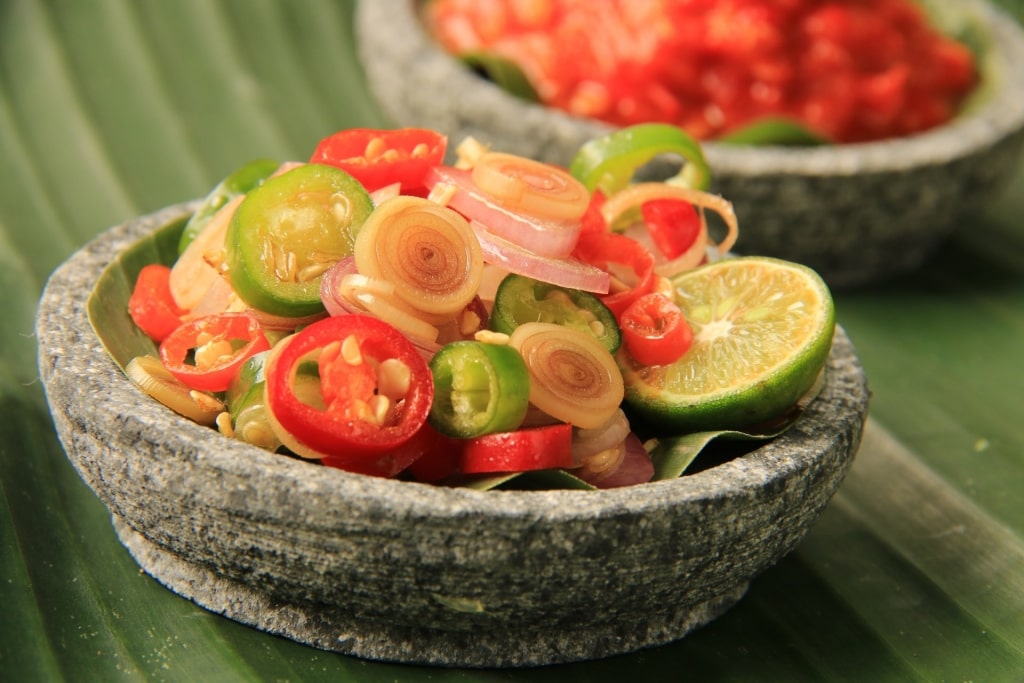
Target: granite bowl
399	571
858	213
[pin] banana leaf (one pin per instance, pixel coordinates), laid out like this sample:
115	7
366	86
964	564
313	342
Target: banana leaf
110	109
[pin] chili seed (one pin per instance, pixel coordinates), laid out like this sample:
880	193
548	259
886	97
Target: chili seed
350	351
224	424
380	408
374	148
393	379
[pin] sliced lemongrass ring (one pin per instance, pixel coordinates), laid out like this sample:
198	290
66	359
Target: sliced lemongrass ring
404	320
427	251
150	375
573	377
531	186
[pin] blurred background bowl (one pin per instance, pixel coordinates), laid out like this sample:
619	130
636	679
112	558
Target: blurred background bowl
400	571
856	213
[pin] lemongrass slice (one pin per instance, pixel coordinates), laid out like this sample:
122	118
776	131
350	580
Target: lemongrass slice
573	377
530	186
635	196
611	434
392	311
150	375
427	251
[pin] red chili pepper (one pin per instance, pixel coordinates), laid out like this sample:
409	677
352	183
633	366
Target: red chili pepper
377	158
630	264
213	342
593	220
151	304
439	455
673	225
655	331
428	456
537	448
361	417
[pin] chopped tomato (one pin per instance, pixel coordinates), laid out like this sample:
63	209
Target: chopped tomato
378	158
654	330
151	305
217	346
374	393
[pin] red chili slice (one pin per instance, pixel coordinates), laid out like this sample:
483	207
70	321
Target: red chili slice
151	304
630	264
348	348
673	225
537	448
377	158
219	345
654	330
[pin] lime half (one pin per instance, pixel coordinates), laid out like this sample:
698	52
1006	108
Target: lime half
762	331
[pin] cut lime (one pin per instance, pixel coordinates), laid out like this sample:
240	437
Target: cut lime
762	332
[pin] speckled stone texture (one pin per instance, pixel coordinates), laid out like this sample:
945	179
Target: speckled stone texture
858	214
413	573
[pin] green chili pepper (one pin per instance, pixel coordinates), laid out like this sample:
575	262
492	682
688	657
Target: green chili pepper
479	388
241	181
609	162
289	231
521	299
246	406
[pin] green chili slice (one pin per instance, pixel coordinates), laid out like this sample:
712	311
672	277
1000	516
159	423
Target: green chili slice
520	299
479	388
609	162
240	181
246	406
288	232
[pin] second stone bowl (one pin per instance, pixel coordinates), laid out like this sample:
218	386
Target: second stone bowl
858	214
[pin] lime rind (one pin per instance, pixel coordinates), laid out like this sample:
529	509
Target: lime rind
763	331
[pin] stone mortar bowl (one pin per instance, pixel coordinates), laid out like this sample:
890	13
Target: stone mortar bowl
399	571
858	213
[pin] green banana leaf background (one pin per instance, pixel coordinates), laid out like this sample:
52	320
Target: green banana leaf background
114	108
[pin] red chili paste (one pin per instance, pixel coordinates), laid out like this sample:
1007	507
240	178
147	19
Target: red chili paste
851	70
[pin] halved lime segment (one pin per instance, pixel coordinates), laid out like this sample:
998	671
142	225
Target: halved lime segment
762	329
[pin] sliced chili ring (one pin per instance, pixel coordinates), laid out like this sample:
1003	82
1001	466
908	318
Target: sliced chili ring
377	158
479	388
288	232
655	331
610	162
360	358
218	346
151	305
522	450
631	266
